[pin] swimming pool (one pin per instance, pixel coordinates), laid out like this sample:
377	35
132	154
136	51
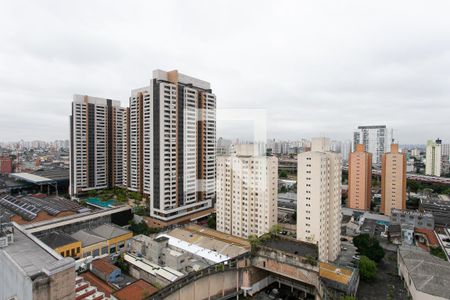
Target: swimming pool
99	203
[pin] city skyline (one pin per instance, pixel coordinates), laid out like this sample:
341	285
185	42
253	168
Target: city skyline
294	75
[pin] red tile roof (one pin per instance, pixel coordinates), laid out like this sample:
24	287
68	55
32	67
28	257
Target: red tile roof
97	282
138	290
431	236
103	266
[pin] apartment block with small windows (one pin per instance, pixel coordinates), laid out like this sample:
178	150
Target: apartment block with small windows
393	180
171	145
247	192
319	198
96	143
360	179
433	158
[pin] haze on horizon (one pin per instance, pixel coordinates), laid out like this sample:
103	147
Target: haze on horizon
317	68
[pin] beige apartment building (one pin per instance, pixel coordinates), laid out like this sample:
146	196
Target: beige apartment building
247	192
393	181
433	158
319	198
360	179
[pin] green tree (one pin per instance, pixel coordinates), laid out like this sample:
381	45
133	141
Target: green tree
283	174
369	247
212	221
367	268
437	251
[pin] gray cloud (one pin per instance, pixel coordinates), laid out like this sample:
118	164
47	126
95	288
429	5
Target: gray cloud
317	67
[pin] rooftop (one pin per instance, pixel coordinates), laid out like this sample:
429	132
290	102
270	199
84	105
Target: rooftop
32	256
292	246
430	275
101	285
137	290
335	273
109	231
36	179
104	266
87	238
57	239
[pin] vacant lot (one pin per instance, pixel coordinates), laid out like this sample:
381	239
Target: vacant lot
387	285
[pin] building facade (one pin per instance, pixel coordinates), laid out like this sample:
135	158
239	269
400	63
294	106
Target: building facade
360	179
393	181
96	143
319	198
170	149
433	158
247	193
376	139
5	165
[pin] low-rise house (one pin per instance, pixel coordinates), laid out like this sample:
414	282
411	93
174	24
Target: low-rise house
105	270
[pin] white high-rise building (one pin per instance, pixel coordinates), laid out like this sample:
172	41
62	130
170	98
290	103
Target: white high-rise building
319	198
171	147
247	192
377	140
433	158
96	143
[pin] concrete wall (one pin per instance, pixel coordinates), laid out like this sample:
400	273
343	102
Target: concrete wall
12	281
209	287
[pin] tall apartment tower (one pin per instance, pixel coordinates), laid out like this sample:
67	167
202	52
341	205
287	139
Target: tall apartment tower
376	139
360	179
247	192
393	181
433	158
96	143
319	198
171	147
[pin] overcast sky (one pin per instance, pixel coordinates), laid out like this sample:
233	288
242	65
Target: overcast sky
316	67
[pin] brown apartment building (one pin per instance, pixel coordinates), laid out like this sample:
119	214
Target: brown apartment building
170	147
393	181
360	178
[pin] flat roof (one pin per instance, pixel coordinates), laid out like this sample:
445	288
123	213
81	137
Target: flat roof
292	246
31	178
152	268
196	250
32	256
335	273
430	274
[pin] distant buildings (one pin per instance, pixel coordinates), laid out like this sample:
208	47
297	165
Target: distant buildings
97	136
247	192
171	146
319	198
376	139
393	181
360	179
433	158
5	165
